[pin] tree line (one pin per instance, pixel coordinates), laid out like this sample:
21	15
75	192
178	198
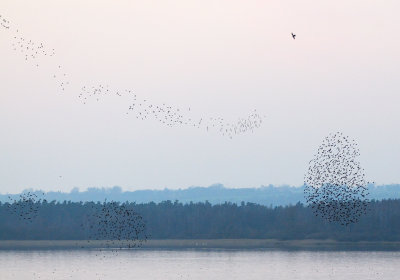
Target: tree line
175	220
216	194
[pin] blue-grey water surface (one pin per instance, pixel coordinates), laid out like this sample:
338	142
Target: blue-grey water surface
198	264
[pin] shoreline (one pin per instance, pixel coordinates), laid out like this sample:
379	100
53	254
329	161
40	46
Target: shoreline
243	244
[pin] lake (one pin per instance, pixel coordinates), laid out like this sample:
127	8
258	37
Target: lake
198	264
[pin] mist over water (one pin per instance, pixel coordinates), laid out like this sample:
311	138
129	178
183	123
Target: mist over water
198	264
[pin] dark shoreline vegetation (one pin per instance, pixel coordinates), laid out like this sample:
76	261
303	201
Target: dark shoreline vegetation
174	220
204	244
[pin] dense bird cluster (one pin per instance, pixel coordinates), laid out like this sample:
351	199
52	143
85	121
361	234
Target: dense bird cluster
335	185
27	206
172	116
116	224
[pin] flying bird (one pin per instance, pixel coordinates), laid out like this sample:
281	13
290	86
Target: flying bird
294	36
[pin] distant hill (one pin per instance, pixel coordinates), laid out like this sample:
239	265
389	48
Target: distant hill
215	194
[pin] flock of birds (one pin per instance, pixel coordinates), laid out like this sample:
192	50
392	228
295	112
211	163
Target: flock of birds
27	207
172	116
4	22
34	52
118	225
335	185
142	108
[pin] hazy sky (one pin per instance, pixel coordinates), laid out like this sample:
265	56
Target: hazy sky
221	58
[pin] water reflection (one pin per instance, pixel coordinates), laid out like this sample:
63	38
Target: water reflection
198	264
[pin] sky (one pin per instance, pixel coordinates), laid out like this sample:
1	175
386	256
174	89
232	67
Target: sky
218	58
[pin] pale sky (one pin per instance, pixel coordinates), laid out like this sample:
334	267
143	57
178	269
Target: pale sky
221	59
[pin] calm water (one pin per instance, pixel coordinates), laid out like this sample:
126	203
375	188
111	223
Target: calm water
153	264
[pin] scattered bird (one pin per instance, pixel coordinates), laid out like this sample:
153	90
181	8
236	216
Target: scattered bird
4	22
34	52
173	116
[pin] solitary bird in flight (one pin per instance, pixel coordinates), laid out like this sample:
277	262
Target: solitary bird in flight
294	36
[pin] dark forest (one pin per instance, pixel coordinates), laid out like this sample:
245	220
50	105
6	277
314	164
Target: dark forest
174	220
